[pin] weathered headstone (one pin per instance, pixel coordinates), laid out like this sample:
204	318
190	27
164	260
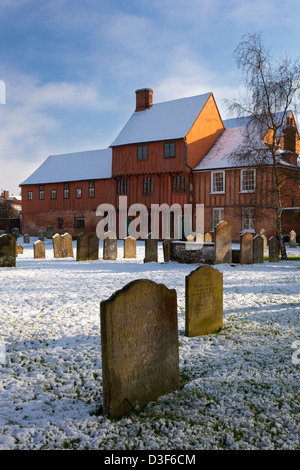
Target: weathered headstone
39	250
129	247
203	301
273	250
208	238
82	251
26	238
151	250
110	248
223	243
246	245
258	249
292	242
67	245
49	231
199	238
41	235
167	250
57	246
87	247
190	238
139	342
93	242
8	245
20	250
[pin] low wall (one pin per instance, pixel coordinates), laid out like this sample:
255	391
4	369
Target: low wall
192	252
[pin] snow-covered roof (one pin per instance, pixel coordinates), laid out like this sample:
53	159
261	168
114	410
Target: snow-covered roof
223	154
162	121
78	166
219	156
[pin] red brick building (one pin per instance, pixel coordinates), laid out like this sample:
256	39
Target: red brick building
172	152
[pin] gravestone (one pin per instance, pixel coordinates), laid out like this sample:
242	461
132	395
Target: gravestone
93	242
246	248
67	245
8	249
139	343
203	301
82	252
49	231
110	248
258	249
129	247
223	243
208	238
190	238
273	250
150	250
57	246
41	235
292	242
87	247
199	238
39	250
20	250
26	238
167	250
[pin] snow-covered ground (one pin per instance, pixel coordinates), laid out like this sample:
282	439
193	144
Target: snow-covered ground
239	387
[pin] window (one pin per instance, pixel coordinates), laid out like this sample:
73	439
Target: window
78	192
42	192
142	152
217	217
247	219
218	181
78	222
170	150
179	183
30	195
123	186
247	180
60	222
148	185
66	191
91	188
53	193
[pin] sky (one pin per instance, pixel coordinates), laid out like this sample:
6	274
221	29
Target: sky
69	69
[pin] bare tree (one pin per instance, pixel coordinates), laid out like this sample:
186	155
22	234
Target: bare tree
269	91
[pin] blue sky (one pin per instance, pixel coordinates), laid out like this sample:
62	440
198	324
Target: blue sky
71	67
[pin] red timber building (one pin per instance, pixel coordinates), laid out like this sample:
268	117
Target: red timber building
172	152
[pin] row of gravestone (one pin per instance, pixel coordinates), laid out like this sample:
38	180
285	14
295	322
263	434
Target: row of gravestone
139	336
88	248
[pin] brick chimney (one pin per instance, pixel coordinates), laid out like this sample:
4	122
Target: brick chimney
143	99
289	136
